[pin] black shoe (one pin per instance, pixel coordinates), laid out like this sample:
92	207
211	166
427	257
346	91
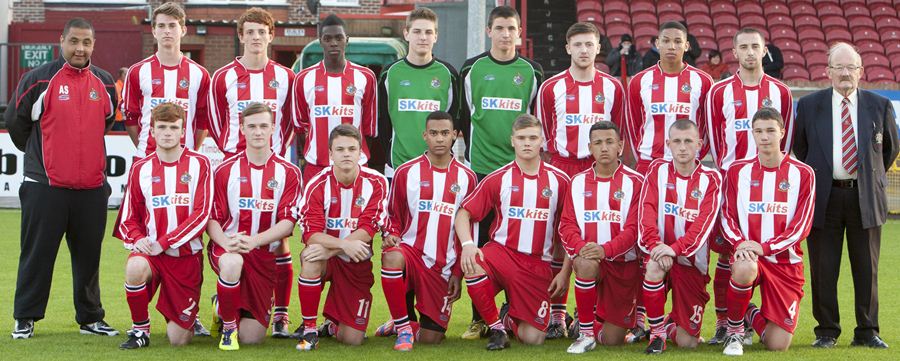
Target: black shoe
657	346
23	329
824	342
136	339
873	342
574	328
719	336
498	340
100	328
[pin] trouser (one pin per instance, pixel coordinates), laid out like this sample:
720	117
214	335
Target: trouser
47	214
825	249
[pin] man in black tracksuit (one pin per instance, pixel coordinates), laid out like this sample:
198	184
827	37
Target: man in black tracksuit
58	116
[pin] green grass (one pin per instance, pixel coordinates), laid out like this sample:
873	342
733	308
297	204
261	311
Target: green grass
57	338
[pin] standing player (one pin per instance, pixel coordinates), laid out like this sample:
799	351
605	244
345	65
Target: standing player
678	212
730	106
598	227
166	207
768	210
332	92
342	207
497	86
255	191
568	104
662	94
420	248
251	78
415	86
166	77
527	195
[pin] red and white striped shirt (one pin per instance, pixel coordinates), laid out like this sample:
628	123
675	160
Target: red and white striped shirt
422	207
149	83
772	206
602	210
234	87
730	108
526	207
656	100
680	211
327	206
322	100
251	199
568	108
168	203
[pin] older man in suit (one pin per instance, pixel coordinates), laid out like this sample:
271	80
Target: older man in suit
848	136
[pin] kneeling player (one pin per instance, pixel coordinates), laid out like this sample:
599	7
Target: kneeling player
599	229
342	207
526	195
254	193
768	210
678	210
420	249
166	206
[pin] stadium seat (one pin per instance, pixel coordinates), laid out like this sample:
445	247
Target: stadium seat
818	72
862	33
838	35
798	9
793	57
776	9
880	2
699	30
749	7
887	24
896	73
753	20
694	19
830	22
615	30
794	72
857	21
787	45
669	6
816	58
882	11
879	74
870	47
783	33
726	20
667	17
588	5
830	2
615	5
694	8
643	19
725	44
722	7
807	21
644	6
645	31
856	10
589	10
725	32
616	16
810	34
871	60
892	48
828	9
815	46
707	43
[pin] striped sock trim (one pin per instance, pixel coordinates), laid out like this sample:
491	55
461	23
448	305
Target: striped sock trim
279	313
401	322
735	327
721	322
135	288
471	281
142	326
286	259
721	310
586	328
585	284
751	314
227	284
656	323
497	325
229	325
391	273
723	266
313	282
556	264
653	287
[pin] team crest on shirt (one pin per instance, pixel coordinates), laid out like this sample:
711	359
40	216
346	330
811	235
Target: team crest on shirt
319	88
685	88
767	102
784	186
435	83
93	95
405	83
518	79
599	98
273	84
185	178
546	192
272	184
350	89
359	202
489	77
618	195
696	193
455	188
183	83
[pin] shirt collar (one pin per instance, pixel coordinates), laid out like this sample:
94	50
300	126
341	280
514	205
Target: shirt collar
838	97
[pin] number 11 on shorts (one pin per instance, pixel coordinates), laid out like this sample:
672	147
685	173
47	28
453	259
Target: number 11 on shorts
363	308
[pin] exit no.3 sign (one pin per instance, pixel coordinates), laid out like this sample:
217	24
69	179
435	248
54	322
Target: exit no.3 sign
35	55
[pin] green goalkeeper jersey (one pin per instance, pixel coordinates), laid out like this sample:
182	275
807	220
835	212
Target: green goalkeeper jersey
494	94
407	94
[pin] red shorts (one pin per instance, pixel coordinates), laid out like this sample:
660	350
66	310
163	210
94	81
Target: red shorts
781	288
618	287
571	166
349	300
689	297
257	281
310	171
181	278
525	279
428	284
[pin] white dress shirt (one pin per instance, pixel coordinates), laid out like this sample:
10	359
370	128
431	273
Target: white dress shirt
839	172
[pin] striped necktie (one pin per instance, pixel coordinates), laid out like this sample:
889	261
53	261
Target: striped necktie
848	139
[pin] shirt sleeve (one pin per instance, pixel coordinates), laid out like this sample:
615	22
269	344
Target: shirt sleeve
701	114
133	212
697	234
220	211
372	218
370	107
132	97
201	112
484	198
569	231
547	114
291	195
731	229
287	123
648	231
218	109
787	113
311	213
299	106
635	116
398	210
201	204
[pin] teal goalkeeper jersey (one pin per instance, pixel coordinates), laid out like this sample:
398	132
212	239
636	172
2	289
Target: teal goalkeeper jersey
494	94
407	94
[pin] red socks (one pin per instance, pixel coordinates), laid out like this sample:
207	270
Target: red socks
738	298
310	292
395	293
229	294
482	293
284	282
138	297
655	303
585	303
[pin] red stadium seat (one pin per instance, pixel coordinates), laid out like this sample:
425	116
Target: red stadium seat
856	10
614	30
887	24
616	16
708	43
874	60
667	17
645	31
870	47
726	20
616	5
643	7
833	22
776	9
857	21
795	72
807	21
723	32
828	9
585	5
793	57
816	58
860	34
815	46
693	8
783	33
699	30
787	45
669	6
643	18
749	7
726	43
753	21
838	35
818	72
810	34
722	7
695	19
882	11
589	10
798	9
892	49
879	74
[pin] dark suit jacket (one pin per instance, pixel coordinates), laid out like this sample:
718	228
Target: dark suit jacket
877	149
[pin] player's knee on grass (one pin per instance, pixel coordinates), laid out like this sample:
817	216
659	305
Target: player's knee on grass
137	271
777	339
585	268
613	335
744	271
684	339
392	258
230	267
350	336
178	336
529	335
429	331
654	271
251	332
